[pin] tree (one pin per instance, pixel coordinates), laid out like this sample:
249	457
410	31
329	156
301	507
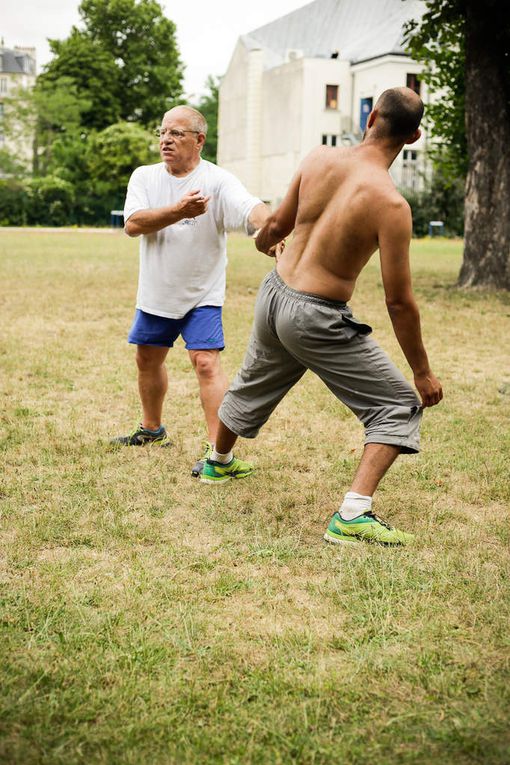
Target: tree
208	106
11	165
113	154
124	61
42	116
438	42
467	47
19	126
83	61
60	111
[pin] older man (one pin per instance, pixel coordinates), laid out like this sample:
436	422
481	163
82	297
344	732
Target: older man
182	207
342	206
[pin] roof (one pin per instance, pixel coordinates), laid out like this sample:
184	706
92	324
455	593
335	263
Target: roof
357	29
16	61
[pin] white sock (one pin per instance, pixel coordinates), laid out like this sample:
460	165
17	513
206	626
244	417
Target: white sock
354	505
223	458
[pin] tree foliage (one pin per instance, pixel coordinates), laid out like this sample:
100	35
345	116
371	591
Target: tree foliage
50	198
442	198
109	81
92	70
208	106
77	172
48	116
90	112
438	42
124	61
113	153
13	202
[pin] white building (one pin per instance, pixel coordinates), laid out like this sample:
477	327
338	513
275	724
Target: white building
17	69
312	77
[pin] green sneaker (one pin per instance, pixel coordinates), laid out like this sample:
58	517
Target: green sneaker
140	436
216	472
368	528
197	468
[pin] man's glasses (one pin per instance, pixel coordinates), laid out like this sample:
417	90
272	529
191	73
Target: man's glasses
175	134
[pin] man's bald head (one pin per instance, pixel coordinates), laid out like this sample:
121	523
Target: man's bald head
399	114
196	120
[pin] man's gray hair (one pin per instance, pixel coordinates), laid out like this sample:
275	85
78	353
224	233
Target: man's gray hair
197	120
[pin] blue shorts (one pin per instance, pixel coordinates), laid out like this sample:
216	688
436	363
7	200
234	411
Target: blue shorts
201	329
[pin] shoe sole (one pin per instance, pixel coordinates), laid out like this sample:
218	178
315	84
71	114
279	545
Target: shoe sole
366	540
159	444
340	541
224	479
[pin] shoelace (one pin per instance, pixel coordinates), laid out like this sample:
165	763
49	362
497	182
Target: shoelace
380	520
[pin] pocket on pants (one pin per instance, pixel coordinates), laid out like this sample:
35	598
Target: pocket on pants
359	326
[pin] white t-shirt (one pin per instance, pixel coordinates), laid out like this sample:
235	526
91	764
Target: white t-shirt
183	265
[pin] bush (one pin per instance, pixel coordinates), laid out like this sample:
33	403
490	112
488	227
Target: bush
86	178
114	153
442	199
51	201
13	202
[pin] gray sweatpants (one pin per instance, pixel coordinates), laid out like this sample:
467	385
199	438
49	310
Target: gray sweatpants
295	331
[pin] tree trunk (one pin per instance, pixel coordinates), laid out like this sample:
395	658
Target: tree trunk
487	203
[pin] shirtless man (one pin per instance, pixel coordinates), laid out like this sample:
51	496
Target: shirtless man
342	206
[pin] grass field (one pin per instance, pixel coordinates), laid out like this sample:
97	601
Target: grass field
151	620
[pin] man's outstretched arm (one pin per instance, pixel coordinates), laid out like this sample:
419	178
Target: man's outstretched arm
281	222
394	240
151	220
257	218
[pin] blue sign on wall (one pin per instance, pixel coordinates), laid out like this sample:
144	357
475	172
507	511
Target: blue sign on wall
365	109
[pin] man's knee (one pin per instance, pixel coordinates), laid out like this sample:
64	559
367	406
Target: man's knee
206	363
150	358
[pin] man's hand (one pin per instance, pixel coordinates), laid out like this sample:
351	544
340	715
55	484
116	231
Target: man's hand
193	204
151	220
276	250
429	388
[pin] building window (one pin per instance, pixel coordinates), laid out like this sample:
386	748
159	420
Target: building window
413	82
365	108
331	96
329	139
3	84
410	176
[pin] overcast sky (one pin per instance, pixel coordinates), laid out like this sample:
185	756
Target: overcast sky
206	31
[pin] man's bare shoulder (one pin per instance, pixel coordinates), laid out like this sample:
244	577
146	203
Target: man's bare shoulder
397	204
324	155
390	198
395	218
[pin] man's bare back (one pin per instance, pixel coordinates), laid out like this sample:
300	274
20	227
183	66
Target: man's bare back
342	198
342	206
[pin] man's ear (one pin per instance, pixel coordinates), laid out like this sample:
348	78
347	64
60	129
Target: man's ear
372	117
414	137
201	140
